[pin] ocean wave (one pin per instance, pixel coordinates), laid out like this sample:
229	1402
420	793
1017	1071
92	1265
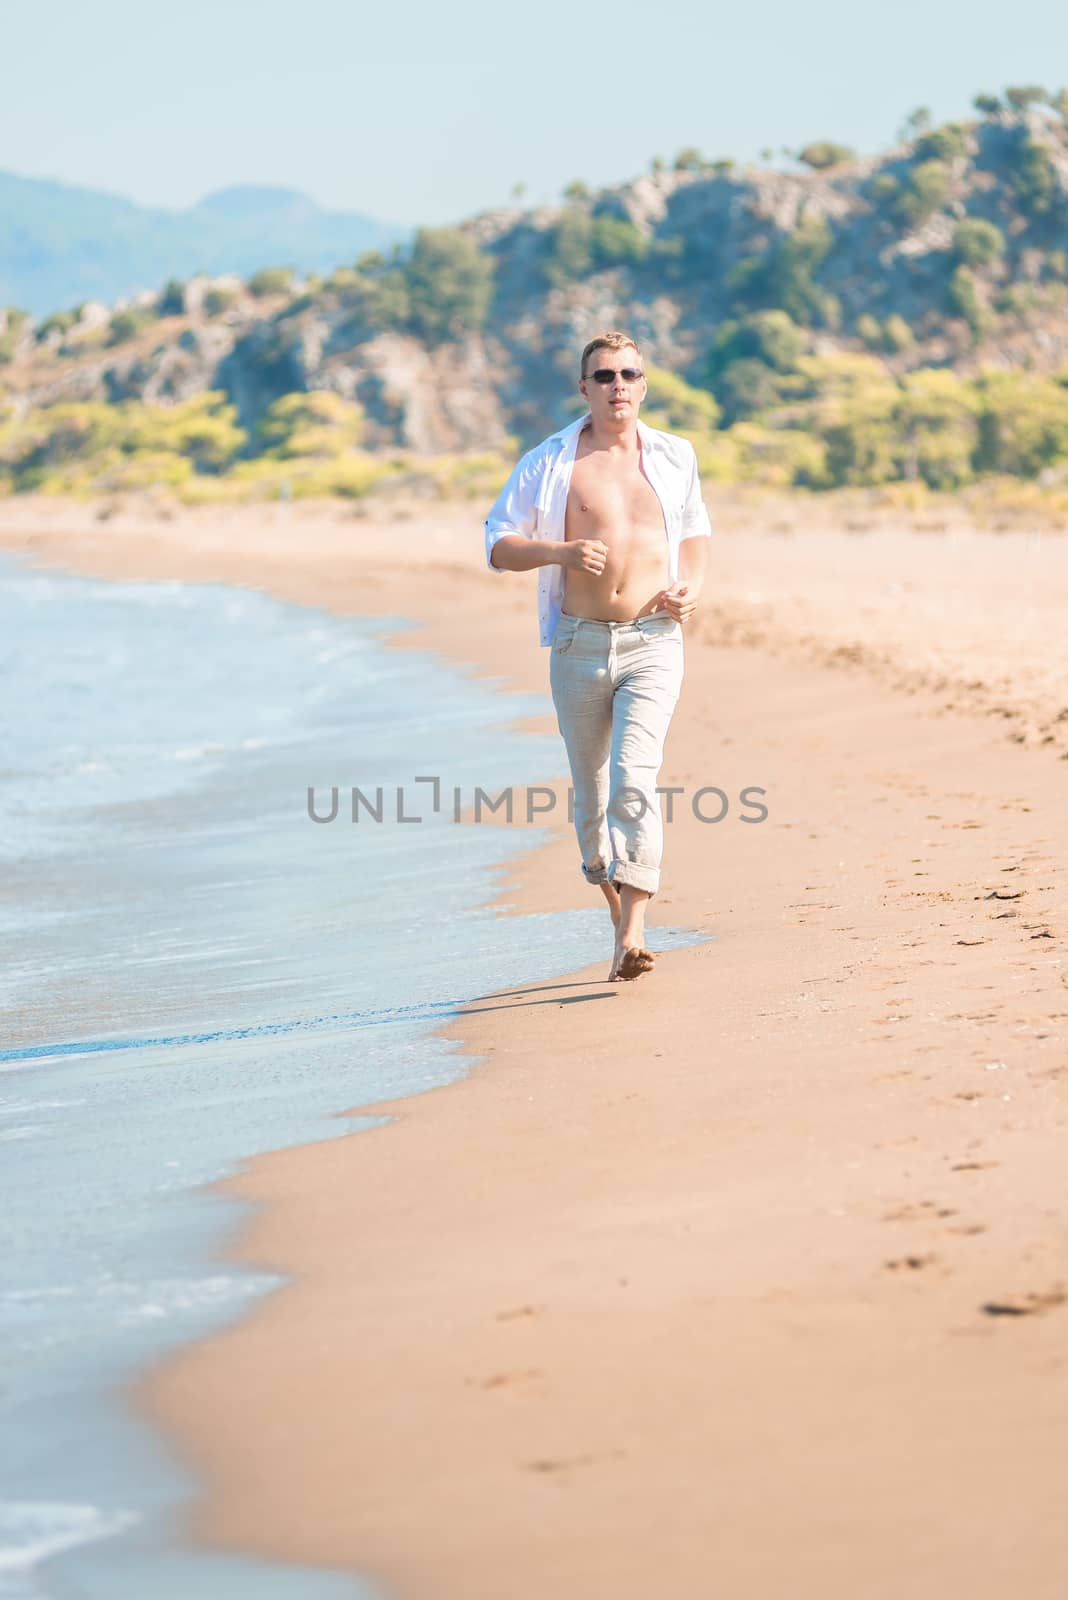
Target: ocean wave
33	1530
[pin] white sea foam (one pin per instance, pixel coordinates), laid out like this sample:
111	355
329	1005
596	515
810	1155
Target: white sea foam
33	1530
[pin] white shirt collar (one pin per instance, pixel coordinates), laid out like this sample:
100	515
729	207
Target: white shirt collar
646	434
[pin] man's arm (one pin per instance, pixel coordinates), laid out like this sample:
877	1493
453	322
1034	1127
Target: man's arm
693	564
510	542
515	552
681	599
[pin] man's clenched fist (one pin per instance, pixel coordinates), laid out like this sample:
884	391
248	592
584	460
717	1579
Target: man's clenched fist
586	555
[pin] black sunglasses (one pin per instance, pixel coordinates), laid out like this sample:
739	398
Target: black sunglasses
606	375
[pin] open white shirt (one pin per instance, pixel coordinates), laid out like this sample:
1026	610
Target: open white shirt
534	503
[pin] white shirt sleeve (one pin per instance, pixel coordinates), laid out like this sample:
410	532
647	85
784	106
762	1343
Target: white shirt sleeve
695	523
515	508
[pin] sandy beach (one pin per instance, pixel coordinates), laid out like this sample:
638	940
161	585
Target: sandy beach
749	1279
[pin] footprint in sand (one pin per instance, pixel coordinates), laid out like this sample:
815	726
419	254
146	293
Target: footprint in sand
563	1463
1026	1305
911	1263
517	1311
921	1211
509	1380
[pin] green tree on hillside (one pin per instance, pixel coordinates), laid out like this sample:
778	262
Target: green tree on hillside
1033	178
916	123
925	191
171	302
126	324
317	423
1026	96
897	335
967	301
450	284
746	359
13	323
824	153
784	277
943	144
978	243
271	280
1023	425
674	404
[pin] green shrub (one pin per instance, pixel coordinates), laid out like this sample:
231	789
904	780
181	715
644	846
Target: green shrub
936	419
616	241
343	280
676	405
689	160
1026	96
85	447
747	358
570	252
745	388
779	457
318	423
869	330
966	300
1033	178
925	193
978	243
271	280
882	189
784	277
987	105
897	335
770	337
12	324
577	190
861	450
943	144
59	322
580	243
449	282
1023	423
171	302
824	153
126	324
218	299
203	430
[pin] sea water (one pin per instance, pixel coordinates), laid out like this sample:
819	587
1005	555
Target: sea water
195	972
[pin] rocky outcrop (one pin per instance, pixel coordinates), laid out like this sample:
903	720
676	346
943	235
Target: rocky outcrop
689	250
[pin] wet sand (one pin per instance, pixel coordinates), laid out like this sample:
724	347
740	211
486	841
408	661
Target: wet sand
747	1278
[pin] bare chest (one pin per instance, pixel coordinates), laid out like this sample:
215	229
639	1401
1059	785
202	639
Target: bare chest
612	501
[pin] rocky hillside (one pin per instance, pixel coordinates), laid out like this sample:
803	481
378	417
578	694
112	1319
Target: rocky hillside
770	293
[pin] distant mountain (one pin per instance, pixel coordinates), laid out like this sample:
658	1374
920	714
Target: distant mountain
61	245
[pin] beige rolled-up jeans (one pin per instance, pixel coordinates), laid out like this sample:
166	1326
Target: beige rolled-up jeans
615	686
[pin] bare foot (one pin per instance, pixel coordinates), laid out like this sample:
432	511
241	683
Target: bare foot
631	963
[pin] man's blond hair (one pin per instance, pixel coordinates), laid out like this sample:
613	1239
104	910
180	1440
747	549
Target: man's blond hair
608	341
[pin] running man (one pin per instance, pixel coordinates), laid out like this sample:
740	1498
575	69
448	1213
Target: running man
610	511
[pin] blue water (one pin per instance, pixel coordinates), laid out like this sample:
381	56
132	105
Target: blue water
193	973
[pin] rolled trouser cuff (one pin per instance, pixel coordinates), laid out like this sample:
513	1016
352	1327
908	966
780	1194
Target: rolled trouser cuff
594	874
647	878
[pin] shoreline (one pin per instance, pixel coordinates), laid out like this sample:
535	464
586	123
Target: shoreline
561	1341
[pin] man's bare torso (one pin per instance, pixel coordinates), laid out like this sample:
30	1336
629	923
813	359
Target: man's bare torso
611	499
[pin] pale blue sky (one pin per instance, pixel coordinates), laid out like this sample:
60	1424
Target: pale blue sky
424	112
